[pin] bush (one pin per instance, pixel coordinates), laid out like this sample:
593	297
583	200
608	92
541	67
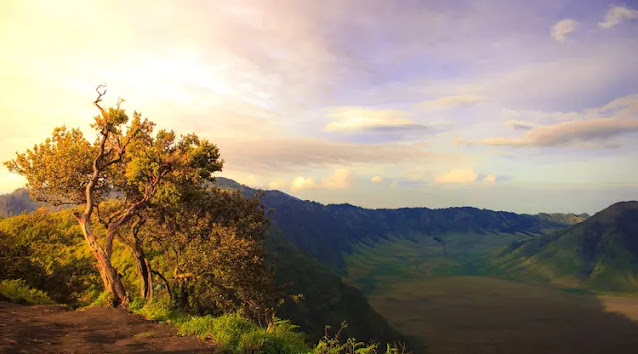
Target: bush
17	290
233	333
283	337
136	304
161	309
103	300
225	330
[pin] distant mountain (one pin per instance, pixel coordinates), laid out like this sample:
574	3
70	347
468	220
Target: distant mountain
567	219
601	253
329	232
17	202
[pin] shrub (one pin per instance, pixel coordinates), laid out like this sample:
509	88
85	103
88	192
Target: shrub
136	304
161	309
233	333
282	337
17	290
103	300
226	330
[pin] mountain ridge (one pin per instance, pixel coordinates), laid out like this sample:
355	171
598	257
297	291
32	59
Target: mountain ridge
600	253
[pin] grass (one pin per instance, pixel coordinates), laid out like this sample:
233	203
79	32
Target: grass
149	334
18	291
370	266
232	333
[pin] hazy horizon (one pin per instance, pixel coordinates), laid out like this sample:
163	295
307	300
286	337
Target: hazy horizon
506	105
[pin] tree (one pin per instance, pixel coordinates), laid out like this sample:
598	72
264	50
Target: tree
125	163
212	246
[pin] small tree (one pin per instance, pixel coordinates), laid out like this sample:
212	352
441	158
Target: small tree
125	163
212	246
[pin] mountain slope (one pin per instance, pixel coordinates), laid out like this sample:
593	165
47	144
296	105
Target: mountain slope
601	253
329	233
326	300
17	202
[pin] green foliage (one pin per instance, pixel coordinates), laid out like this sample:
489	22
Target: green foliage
281	337
136	304
58	168
334	345
105	299
161	309
18	291
212	252
232	332
47	251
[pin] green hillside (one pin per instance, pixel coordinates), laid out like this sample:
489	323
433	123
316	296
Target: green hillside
600	253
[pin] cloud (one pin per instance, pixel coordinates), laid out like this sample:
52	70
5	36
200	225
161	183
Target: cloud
617	15
464	176
562	28
340	179
299	183
519	125
566	133
457	176
594	125
489	179
354	118
247	180
537	115
285	155
449	102
376	179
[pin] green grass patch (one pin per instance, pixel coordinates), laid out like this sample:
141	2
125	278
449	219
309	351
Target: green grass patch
232	333
149	334
373	264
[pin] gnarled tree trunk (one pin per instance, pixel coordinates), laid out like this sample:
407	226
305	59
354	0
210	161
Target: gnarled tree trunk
143	269
110	277
134	244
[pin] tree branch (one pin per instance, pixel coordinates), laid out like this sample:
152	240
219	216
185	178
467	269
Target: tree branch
99	98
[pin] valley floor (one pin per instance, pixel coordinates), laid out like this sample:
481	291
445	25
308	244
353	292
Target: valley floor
53	329
474	314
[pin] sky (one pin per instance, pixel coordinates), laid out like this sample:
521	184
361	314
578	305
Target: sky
524	106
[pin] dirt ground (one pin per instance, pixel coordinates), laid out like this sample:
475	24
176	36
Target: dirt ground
54	329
